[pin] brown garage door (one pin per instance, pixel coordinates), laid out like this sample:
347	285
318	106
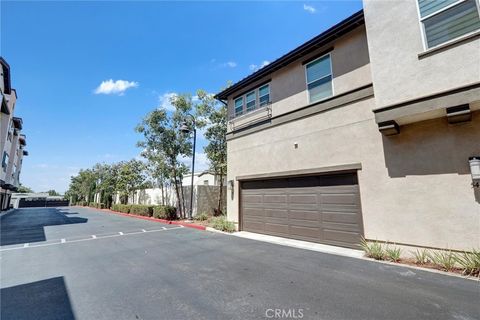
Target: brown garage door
323	209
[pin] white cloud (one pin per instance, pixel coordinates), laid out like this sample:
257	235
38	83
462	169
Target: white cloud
115	87
230	64
309	9
254	67
165	101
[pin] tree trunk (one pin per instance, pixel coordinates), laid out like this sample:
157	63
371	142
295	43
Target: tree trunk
179	202
220	195
162	188
183	200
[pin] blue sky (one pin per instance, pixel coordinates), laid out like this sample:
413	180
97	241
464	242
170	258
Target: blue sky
61	52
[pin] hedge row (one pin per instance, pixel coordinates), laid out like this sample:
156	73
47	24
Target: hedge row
159	212
97	205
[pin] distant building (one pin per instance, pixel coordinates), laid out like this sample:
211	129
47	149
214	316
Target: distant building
12	142
41	199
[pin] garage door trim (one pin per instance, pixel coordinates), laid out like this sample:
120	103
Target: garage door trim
345	168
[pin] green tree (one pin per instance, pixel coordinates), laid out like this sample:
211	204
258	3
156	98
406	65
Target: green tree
24	189
215	116
106	182
130	177
163	144
53	193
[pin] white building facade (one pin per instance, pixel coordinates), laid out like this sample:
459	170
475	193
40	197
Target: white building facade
12	141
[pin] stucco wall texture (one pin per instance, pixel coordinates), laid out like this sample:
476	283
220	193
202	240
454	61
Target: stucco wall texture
415	187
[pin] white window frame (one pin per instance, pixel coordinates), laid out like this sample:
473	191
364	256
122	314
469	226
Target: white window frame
235	106
331	75
269	95
422	25
254	91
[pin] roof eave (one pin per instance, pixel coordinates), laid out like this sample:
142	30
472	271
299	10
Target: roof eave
324	38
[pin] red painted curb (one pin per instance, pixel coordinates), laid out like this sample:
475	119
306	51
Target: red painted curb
187	225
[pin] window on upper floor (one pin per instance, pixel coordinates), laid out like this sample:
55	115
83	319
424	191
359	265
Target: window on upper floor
319	78
252	100
238	106
445	20
264	95
5	161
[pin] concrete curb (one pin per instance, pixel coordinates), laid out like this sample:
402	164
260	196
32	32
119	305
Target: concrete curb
445	273
184	224
218	231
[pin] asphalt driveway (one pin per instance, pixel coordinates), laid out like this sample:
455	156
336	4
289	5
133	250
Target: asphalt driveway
78	263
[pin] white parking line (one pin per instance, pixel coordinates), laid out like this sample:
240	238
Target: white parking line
97	237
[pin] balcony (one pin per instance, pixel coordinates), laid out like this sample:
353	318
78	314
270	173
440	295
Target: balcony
17	123
22	140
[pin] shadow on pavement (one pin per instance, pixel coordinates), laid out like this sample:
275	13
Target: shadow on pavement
27	225
45	299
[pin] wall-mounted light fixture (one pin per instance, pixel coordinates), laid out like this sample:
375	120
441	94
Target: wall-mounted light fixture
459	114
389	128
475	170
230	185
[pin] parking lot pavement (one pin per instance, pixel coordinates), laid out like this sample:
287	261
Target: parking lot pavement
181	273
34	226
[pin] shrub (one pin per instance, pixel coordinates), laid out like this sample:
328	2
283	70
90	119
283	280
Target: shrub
445	259
125	208
222	224
201	217
469	262
421	256
165	212
373	249
393	254
91	204
141	210
101	206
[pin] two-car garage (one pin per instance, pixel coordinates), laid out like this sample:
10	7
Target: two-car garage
321	208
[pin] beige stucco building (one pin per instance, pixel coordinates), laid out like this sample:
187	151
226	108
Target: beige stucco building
12	142
364	131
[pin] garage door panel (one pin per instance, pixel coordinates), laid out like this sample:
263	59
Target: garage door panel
254	212
310	215
342	236
323	209
349	199
276	228
340	217
340	208
253	225
254	199
275	198
303	198
344	227
275	213
305	232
